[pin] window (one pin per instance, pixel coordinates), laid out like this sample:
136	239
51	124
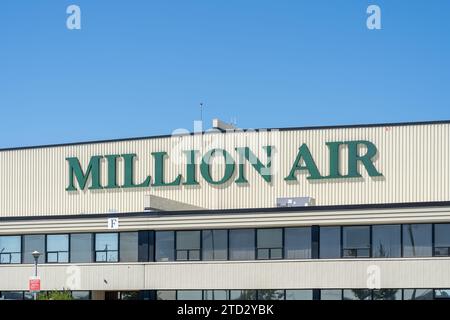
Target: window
417	294
270	244
442	240
330	242
189	295
81	247
356	242
417	240
270	294
297	243
106	247
242	294
129	246
58	248
386	241
166	295
10	249
357	294
442	294
11	295
215	244
129	295
215	295
242	244
33	243
188	245
81	295
299	294
387	294
165	246
330	294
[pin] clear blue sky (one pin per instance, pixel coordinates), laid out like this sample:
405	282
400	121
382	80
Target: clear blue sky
140	68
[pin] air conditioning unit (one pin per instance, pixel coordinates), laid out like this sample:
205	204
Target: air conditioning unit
295	202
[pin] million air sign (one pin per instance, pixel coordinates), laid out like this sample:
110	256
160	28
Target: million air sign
359	154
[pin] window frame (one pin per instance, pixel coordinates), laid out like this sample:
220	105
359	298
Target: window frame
10	253
343	249
188	251
269	250
106	251
57	252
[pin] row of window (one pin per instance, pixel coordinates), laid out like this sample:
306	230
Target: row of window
377	241
269	294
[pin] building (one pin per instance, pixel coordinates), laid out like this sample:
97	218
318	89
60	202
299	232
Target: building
345	212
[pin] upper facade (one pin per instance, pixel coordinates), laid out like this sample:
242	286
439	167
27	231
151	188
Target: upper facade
373	164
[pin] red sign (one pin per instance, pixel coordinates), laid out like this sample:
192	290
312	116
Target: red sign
34	284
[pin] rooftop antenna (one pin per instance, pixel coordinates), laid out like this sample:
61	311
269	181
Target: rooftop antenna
201	112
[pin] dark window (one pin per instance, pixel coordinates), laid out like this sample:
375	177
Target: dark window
387	294
356	242
357	294
81	295
242	294
166	295
11	295
386	241
332	294
58	248
442	240
269	244
215	295
188	245
270	294
215	244
165	245
81	247
189	295
33	243
297	243
442	294
10	249
417	294
299	294
106	247
330	242
129	246
417	240
129	295
242	244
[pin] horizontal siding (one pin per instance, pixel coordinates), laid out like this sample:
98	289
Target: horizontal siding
414	160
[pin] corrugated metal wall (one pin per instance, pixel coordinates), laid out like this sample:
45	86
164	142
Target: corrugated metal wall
414	160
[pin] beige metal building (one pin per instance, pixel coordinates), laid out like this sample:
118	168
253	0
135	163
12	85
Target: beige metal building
345	212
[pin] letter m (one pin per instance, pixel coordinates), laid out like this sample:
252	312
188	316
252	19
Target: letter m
75	171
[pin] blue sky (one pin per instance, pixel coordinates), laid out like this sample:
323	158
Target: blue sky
141	67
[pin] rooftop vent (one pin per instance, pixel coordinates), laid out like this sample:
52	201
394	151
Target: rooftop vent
295	202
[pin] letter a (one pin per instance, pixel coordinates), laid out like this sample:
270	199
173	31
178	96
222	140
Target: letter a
374	20
74	20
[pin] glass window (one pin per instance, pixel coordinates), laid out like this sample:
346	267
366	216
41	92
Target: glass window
215	244
417	240
327	294
356	242
166	295
269	243
387	294
106	247
165	246
58	248
189	295
299	294
297	243
442	240
417	294
386	241
242	294
129	295
357	294
330	242
81	247
215	295
33	243
81	295
442	293
188	245
10	249
270	294
129	246
242	244
11	295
